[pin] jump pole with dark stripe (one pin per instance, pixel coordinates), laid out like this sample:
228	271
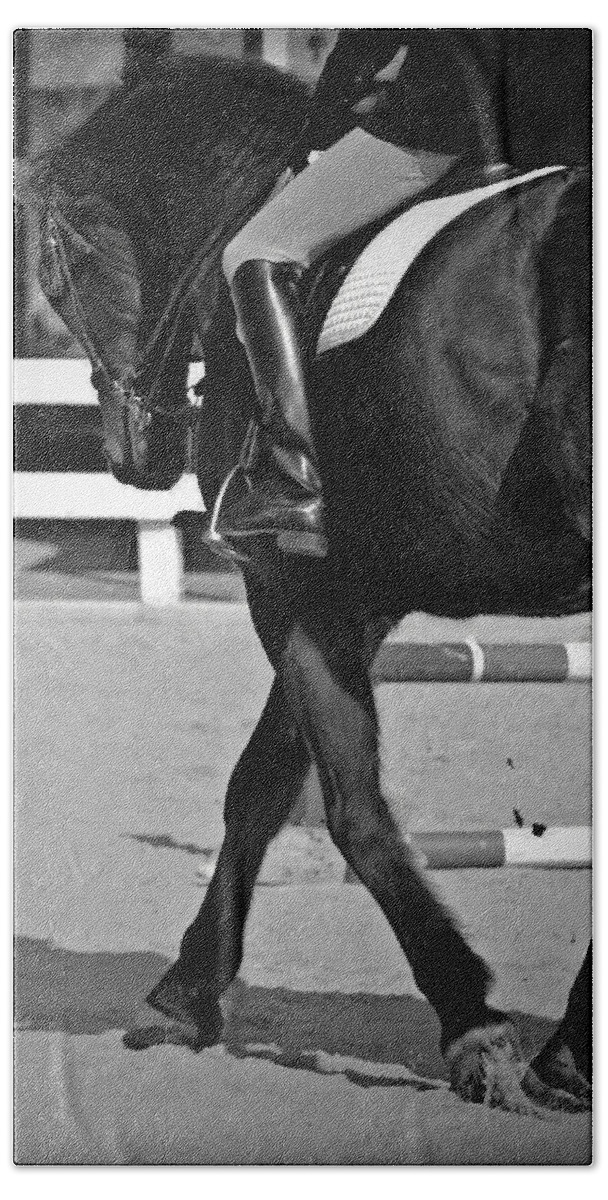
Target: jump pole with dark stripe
558	848
471	662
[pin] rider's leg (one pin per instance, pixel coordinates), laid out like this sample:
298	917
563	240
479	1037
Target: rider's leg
354	183
283	488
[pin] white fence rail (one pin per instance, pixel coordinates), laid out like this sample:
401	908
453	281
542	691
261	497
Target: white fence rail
98	496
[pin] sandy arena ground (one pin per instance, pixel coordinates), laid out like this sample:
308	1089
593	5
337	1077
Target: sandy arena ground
128	724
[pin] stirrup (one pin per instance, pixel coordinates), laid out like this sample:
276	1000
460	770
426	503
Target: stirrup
213	538
310	543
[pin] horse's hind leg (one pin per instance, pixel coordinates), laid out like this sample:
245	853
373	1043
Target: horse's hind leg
327	683
564	1063
262	790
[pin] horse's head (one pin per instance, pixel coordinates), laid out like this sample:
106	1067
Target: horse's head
112	298
135	209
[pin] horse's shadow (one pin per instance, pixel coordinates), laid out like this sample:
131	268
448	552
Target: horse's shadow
375	1040
79	993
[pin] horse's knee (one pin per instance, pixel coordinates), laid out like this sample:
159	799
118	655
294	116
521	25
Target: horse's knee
358	823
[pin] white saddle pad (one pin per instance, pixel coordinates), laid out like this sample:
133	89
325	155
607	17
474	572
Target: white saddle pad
376	274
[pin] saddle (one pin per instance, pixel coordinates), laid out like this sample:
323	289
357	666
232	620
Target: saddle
345	296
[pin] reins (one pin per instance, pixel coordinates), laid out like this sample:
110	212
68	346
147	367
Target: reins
55	241
123	390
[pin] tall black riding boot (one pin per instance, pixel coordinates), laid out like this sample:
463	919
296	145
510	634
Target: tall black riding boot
280	490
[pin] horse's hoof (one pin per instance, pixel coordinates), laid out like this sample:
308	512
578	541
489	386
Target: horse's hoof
486	1067
554	1071
195	1017
555	1099
173	1034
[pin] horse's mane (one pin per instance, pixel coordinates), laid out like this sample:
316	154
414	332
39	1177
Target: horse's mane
185	158
192	104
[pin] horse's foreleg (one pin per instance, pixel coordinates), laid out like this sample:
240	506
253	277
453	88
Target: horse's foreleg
263	788
325	678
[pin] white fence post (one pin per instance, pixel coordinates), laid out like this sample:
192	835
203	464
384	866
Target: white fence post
53	495
160	562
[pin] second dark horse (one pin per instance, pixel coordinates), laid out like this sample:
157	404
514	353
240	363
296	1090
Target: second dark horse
453	443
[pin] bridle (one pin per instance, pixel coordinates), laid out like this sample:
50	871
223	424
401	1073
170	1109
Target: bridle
141	409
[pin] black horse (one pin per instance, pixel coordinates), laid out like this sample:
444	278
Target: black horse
453	442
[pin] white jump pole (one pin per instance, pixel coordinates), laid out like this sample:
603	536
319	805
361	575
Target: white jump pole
561	848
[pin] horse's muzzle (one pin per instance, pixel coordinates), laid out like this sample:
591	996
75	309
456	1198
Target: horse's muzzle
147	450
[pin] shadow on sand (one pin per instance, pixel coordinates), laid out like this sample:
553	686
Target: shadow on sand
93	993
57	989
